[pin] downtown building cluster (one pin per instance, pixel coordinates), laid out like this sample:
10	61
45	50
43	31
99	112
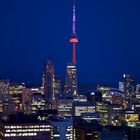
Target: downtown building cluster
53	112
100	114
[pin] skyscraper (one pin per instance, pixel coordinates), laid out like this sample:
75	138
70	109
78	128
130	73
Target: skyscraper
48	84
57	87
71	80
128	89
128	84
71	70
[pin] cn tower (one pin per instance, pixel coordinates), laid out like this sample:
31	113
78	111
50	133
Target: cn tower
73	39
71	88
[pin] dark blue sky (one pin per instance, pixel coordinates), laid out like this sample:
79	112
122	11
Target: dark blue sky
33	30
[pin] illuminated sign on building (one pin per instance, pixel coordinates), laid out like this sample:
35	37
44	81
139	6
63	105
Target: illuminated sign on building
131	117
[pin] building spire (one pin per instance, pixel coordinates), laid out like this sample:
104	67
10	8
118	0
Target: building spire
74	20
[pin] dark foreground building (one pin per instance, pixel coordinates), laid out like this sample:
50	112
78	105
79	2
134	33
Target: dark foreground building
23	127
84	130
133	133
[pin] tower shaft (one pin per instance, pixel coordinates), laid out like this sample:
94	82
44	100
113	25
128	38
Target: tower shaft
74	53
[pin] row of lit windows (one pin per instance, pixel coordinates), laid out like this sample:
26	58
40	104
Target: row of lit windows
68	129
64	109
27	130
37	103
64	106
32	126
20	134
68	135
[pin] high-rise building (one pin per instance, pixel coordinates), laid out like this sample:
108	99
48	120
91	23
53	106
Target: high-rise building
62	129
121	86
15	92
64	107
138	91
103	109
128	84
26	100
71	81
83	107
129	89
86	130
71	72
115	114
57	87
4	90
131	118
37	102
138	88
48	84
5	97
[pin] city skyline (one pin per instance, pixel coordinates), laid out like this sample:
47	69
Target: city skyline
33	31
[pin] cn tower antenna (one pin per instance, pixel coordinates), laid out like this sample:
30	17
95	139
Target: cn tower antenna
74	20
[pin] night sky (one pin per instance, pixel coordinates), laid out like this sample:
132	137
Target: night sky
33	30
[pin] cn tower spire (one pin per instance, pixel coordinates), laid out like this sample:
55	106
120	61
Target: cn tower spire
74	20
74	39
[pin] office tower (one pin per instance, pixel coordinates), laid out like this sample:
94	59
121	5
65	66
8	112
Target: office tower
57	87
37	102
48	84
128	88
83	107
86	130
105	91
4	90
80	98
115	114
121	86
4	97
15	92
128	84
64	107
131	118
71	81
91	117
62	129
138	91
71	70
117	98
138	88
26	100
43	82
103	109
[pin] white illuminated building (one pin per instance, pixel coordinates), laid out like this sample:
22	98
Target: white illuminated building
29	130
65	107
83	107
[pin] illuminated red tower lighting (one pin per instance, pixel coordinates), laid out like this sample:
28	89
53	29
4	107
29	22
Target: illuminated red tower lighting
73	39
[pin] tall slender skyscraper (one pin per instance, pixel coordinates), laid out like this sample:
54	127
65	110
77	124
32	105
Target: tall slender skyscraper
48	83
128	89
71	70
